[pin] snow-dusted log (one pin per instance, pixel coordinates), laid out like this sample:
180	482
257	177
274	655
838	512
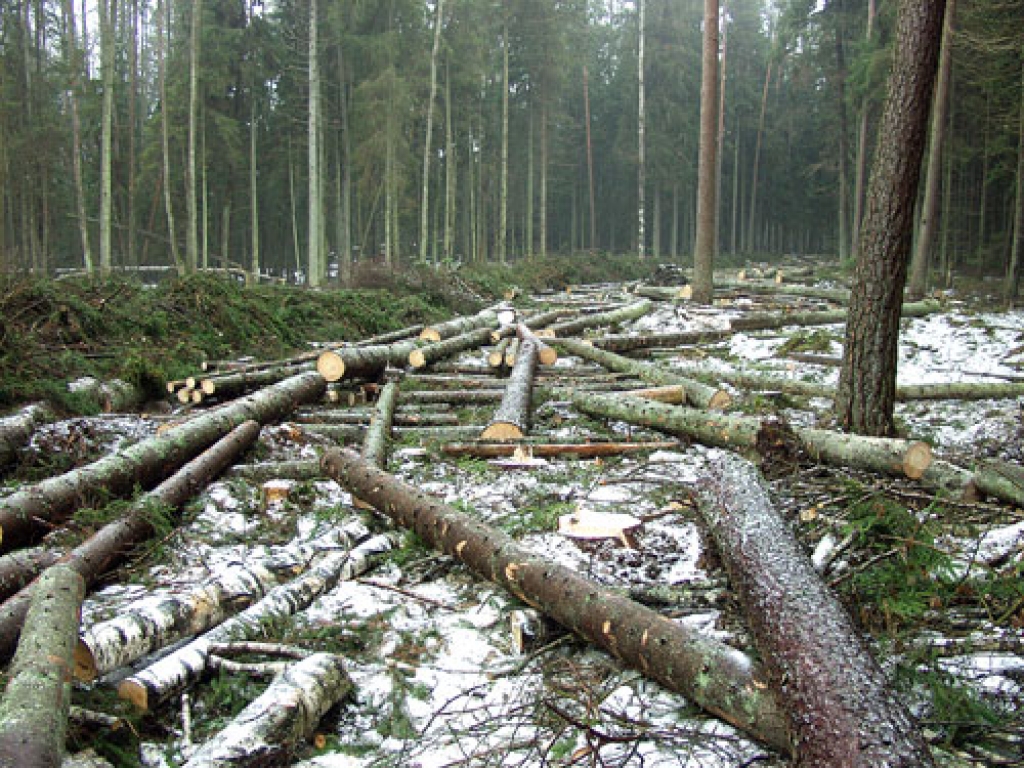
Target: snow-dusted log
268	730
34	709
461	325
424	356
720	679
511	420
837	295
700	395
181	668
533	322
154	623
347	434
545	355
960	390
34	510
889	456
17	428
664	292
627	343
114	542
112	396
298	469
364	362
995	479
233	384
375	442
842	710
19	568
761	322
363	417
597	319
582	450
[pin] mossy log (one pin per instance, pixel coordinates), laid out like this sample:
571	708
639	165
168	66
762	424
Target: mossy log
843	712
298	469
761	322
364	362
390	337
889	456
268	730
17	428
718	678
431	353
34	708
511	420
113	396
375	442
629	342
364	417
349	434
19	568
459	326
233	384
697	393
993	479
581	450
114	542
613	317
452	397
175	672
34	510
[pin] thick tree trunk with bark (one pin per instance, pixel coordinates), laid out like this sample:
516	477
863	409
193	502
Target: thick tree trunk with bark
17	429
19	568
512	419
626	343
231	385
32	511
459	325
843	712
34	709
181	668
364	362
545	355
700	395
114	542
424	356
581	450
867	382
707	188
718	678
612	317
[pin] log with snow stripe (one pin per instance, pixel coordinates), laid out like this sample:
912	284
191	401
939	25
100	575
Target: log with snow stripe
181	668
17	428
287	712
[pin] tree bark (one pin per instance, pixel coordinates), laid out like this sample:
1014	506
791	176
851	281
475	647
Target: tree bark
428	135
34	709
19	568
230	385
512	419
269	729
375	443
700	395
641	123
627	343
107	10
718	678
424	356
112	544
181	668
364	362
315	198
707	192
582	450
31	511
17	429
192	240
545	355
865	400
459	325
761	322
843	713
612	317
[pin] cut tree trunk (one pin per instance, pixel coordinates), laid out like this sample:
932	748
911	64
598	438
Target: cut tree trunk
664	293
34	709
960	390
827	317
114	396
612	317
32	511
391	336
114	542
184	666
627	343
836	295
299	469
582	450
17	429
545	355
718	678
998	480
347	434
700	395
460	325
268	730
842	710
512	419
452	396
424	356
19	568
889	456
364	362
233	384
439	419
511	352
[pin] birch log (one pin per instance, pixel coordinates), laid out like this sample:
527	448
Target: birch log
843	712
109	546
34	510
375	443
269	729
512	419
17	428
181	668
34	709
613	317
697	394
718	678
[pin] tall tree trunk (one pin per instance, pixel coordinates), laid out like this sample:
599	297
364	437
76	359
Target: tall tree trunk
720	152
1012	284
656	223
735	212
314	236
843	215
862	149
641	121
204	198
529	186
544	177
254	200
108	9
749	236
590	162
866	396
707	194
163	30
918	281
425	186
131	257
191	202
74	69
450	169
503	205
674	246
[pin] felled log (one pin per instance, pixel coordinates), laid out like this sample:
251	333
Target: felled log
407	419
34	708
391	337
460	325
760	322
889	456
452	396
112	396
496	357
287	712
151	624
17	428
545	355
836	295
533	322
664	293
582	450
181	668
375	442
697	394
114	542
718	678
354	433
233	384
613	317
19	568
960	390
512	418
459	382
364	362
842	710
299	469
511	353
424	356
625	343
34	510
993	479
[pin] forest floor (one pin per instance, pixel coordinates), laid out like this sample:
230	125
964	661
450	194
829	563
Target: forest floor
936	582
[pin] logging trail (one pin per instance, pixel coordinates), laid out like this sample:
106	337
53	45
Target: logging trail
445	668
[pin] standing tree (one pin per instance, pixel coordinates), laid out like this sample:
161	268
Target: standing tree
108	9
641	235
865	401
425	188
314	263
707	194
191	202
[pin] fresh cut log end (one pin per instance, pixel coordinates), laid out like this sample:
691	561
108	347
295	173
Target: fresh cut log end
135	694
503	430
429	334
417	359
84	663
916	460
330	365
720	401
